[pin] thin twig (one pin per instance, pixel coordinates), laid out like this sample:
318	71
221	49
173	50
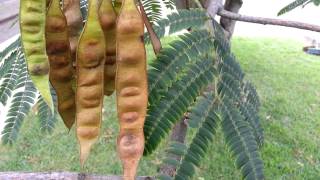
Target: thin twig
270	21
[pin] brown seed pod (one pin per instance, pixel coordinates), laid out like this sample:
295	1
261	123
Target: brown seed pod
71	9
90	83
131	87
61	71
108	19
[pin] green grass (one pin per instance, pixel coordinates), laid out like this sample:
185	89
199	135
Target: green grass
288	82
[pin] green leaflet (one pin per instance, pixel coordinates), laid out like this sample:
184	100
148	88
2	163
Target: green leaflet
10	78
292	6
32	28
205	113
153	9
20	106
183	19
171	61
240	140
46	117
171	108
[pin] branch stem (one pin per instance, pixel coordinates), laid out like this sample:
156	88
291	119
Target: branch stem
268	21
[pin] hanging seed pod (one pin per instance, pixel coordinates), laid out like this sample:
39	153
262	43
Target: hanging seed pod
32	28
108	19
90	83
131	87
71	9
61	70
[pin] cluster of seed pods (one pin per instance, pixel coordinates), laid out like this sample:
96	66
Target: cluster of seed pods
84	62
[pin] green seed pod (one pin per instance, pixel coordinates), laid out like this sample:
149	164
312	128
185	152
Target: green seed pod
32	28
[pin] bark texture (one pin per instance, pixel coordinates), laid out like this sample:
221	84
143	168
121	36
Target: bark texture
260	20
229	24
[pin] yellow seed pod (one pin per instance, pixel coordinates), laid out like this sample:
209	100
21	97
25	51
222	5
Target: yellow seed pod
61	70
131	87
32	28
108	20
89	81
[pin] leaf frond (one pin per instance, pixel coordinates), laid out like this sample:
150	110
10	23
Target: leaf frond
241	141
47	117
178	21
170	62
18	110
292	6
205	113
175	103
10	79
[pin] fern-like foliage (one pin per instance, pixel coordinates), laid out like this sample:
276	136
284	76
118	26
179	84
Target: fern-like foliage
46	117
10	79
169	4
204	117
153	9
20	106
13	47
293	5
171	108
171	61
183	19
241	141
233	102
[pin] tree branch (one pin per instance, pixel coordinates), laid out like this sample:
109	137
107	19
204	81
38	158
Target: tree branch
60	176
228	24
214	6
155	41
270	21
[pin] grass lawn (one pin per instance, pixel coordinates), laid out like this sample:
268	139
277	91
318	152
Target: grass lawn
288	82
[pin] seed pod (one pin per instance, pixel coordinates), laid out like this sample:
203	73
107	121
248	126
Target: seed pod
32	28
61	71
117	6
108	23
131	87
71	9
90	73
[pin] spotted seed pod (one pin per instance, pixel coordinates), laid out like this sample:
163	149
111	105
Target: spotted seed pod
90	81
61	70
131	87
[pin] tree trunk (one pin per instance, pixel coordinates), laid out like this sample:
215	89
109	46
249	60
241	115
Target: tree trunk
228	24
181	4
179	133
